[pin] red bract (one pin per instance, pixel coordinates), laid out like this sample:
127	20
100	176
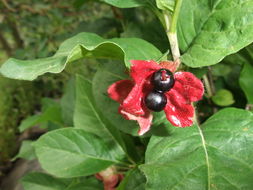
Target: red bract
110	178
131	93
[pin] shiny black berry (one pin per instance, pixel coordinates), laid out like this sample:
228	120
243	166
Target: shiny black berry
155	101
163	80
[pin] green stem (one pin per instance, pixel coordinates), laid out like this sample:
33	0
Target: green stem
210	77
173	27
210	90
171	30
208	87
172	39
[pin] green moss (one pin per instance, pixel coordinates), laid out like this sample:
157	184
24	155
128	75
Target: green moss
17	100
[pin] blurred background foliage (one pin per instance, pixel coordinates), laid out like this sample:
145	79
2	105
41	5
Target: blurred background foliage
32	29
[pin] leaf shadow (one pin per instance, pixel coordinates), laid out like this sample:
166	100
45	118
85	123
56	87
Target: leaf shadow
160	130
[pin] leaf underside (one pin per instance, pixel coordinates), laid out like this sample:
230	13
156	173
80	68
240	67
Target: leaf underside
80	46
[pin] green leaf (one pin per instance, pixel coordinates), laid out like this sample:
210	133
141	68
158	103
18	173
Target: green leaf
51	112
133	180
88	184
199	72
26	151
210	30
246	81
223	97
110	73
217	155
82	45
42	181
89	118
74	152
48	103
68	103
221	69
165	4
29	122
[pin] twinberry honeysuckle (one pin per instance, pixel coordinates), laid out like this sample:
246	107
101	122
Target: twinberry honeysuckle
131	94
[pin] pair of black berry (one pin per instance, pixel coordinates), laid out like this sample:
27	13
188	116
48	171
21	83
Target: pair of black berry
163	81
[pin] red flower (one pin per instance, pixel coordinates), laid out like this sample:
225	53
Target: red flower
131	93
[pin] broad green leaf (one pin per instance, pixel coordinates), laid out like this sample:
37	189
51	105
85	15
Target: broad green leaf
145	29
68	103
166	4
236	58
89	118
26	151
246	81
223	97
42	181
133	180
82	45
49	102
248	52
74	152
110	73
29	122
210	30
88	184
217	155
199	72
221	69
232	79
133	153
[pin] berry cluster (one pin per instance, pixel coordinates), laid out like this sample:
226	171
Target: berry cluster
163	81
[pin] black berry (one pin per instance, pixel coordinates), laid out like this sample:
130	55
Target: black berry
155	101
163	80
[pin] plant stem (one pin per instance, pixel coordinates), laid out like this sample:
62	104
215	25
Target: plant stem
208	87
171	30
174	47
208	80
210	77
